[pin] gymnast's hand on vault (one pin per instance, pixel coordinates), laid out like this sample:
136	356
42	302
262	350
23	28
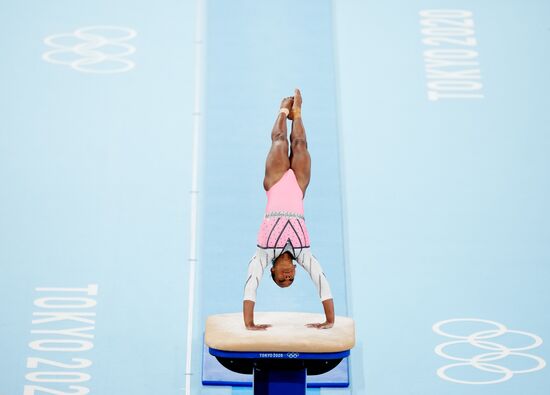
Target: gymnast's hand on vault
261	327
328	306
248	315
322	325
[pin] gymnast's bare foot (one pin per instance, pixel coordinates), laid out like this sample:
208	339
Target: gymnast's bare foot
287	103
296	110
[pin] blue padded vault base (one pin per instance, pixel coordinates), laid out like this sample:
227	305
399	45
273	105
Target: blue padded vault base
214	373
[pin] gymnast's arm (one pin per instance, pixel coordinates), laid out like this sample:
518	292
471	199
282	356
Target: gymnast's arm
255	272
315	271
248	314
328	306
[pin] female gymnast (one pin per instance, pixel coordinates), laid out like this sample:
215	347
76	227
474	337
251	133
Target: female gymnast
283	236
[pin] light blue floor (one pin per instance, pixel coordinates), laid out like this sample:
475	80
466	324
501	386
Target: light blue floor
420	211
446	201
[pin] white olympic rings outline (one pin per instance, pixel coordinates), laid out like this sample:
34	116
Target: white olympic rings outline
293	355
90	50
480	361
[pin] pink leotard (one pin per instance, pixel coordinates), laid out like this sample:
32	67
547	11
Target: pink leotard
284	229
284	215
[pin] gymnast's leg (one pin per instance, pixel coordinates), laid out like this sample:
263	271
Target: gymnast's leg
300	161
277	162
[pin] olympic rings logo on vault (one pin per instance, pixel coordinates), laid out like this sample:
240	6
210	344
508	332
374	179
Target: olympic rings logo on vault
93	49
485	361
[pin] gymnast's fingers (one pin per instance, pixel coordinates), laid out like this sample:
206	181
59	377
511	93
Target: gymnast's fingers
255	328
323	325
261	327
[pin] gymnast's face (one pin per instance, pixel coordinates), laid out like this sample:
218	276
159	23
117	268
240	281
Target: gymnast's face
283	270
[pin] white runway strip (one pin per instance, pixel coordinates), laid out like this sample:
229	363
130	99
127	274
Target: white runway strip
197	123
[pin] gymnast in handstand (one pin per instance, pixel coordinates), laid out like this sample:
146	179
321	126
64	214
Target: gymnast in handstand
283	237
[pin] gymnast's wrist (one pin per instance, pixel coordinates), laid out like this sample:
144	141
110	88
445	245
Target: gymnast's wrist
249	322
